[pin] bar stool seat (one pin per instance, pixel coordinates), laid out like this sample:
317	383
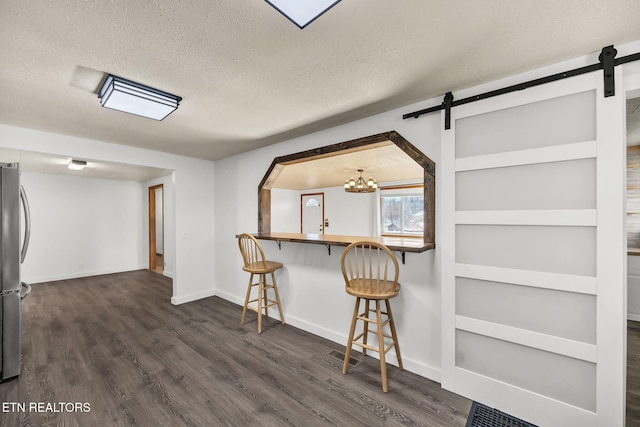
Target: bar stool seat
262	267
254	263
371	273
361	288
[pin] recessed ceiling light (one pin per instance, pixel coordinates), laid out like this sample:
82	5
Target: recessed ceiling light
77	164
302	12
134	98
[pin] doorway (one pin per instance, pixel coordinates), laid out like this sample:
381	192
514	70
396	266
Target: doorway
633	258
156	228
312	213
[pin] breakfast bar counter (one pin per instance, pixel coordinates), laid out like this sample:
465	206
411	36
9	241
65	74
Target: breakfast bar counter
399	244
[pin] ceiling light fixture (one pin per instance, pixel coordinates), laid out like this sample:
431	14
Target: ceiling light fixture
360	185
302	12
130	97
77	165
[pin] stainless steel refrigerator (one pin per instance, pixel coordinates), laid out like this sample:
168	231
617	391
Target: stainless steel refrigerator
12	255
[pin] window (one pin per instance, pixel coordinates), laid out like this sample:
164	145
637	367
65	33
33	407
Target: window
402	211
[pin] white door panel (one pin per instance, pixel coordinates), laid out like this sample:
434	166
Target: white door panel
532	285
312	206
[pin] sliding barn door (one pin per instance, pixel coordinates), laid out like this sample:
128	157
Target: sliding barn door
533	282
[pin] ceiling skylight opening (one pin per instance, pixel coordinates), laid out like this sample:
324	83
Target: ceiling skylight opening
302	12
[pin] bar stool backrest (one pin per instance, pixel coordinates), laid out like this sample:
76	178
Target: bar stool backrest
251	251
370	267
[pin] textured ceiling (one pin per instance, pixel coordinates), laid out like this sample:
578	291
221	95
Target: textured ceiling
249	77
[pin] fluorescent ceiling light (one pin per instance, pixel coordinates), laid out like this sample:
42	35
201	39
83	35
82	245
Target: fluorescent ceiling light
77	164
124	95
302	12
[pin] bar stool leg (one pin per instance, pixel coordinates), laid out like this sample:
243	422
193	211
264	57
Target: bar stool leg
352	330
260	292
383	362
264	296
365	326
392	324
246	299
275	289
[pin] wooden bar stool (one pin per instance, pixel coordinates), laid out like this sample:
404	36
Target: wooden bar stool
254	263
371	272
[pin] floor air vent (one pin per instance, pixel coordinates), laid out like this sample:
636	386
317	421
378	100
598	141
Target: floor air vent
483	416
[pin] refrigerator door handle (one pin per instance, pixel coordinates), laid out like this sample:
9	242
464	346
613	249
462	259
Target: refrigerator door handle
28	288
27	224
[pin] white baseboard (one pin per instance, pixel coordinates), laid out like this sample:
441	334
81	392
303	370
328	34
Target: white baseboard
167	274
229	297
79	274
410	365
634	317
192	297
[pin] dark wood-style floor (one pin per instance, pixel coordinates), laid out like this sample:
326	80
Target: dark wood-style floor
633	374
116	343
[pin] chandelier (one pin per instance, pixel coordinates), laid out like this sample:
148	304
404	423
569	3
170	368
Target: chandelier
360	185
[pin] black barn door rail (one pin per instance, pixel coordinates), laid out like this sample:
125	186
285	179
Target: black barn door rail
607	63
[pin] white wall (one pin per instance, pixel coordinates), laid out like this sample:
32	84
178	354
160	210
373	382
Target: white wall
285	210
349	214
311	285
83	226
193	199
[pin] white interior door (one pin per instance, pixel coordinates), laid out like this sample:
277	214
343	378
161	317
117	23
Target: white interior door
533	287
312	213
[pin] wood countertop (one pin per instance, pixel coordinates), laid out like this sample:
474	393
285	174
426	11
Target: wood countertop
402	244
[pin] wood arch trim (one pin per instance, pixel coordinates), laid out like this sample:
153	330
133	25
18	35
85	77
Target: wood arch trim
429	166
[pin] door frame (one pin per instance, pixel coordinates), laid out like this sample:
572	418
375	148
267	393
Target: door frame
302	209
152	224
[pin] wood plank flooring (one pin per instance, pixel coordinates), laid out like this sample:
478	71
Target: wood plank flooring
117	343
